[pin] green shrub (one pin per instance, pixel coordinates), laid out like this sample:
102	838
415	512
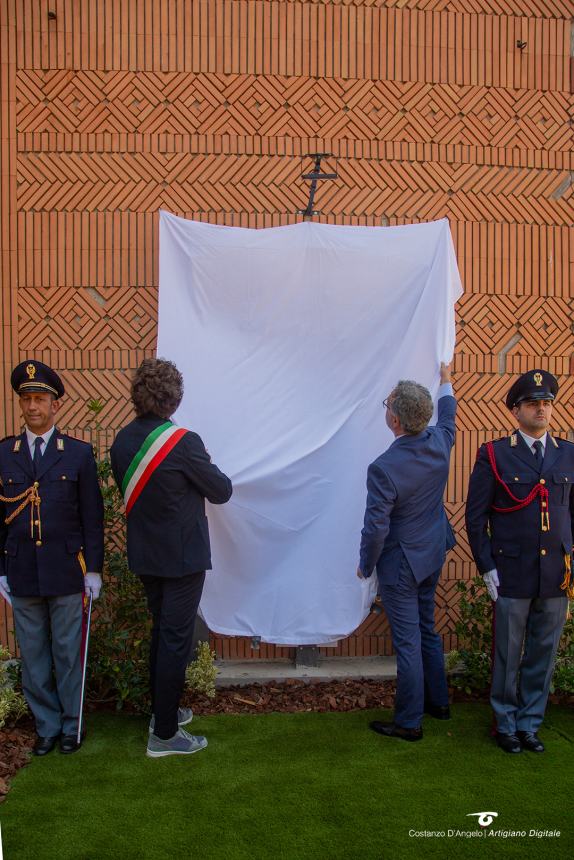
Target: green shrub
563	679
202	672
474	632
118	662
12	703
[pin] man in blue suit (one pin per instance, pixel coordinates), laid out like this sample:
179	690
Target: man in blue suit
406	535
520	523
51	552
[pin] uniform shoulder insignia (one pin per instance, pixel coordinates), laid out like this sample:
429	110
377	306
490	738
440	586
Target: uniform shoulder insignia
7	438
558	442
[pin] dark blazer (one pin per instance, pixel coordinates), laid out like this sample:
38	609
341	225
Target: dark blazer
405	514
530	562
167	531
71	515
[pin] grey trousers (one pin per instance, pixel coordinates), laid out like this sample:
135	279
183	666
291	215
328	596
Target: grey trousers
526	636
49	632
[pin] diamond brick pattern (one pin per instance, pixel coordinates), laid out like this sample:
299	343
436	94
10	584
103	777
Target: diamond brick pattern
98	320
88	102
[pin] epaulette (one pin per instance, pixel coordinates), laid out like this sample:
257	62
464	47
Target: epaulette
558	442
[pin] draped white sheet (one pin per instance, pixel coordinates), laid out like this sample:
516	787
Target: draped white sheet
288	339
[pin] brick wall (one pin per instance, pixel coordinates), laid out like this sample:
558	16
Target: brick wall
116	108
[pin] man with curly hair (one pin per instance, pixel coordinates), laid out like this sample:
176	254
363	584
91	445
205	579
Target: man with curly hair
406	535
165	475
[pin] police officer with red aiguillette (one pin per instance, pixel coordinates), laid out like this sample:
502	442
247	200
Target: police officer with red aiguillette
520	522
51	552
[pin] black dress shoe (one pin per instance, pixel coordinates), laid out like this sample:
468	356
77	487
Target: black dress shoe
69	743
391	730
508	743
530	741
439	712
45	745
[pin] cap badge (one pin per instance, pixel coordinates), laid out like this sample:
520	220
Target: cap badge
538	379
31	370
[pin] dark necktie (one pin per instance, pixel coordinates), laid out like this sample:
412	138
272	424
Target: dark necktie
37	453
538	453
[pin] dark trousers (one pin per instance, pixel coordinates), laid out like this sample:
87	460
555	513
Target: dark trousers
173	605
420	660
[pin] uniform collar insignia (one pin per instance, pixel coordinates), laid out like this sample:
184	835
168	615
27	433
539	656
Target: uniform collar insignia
553	440
513	440
59	444
17	445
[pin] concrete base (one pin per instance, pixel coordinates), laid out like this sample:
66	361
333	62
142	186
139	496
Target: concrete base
335	669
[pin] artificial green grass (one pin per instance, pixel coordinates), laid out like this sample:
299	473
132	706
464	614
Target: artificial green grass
294	786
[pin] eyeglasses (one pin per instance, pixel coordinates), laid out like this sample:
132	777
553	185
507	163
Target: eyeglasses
386	403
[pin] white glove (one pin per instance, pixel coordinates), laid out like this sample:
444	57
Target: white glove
492	582
4	584
93	584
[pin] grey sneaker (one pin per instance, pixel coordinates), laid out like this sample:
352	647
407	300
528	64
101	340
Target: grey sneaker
180	744
184	716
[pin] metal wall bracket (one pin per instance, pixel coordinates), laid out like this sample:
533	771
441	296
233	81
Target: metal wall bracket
307	656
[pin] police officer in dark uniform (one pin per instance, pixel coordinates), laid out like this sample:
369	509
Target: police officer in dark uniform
520	521
51	552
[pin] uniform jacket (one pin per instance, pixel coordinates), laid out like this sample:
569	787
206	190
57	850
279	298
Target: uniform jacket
530	562
71	516
405	513
167	530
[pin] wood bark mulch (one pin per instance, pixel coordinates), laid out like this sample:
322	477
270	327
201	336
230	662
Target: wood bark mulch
16	744
293	695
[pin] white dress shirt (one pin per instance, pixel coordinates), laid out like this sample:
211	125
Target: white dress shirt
45	437
530	440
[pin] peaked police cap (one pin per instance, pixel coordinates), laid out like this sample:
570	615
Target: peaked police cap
534	385
32	375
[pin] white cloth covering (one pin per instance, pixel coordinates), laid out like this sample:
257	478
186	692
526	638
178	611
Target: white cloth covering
288	339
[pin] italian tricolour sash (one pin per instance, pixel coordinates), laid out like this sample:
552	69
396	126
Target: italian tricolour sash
153	451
